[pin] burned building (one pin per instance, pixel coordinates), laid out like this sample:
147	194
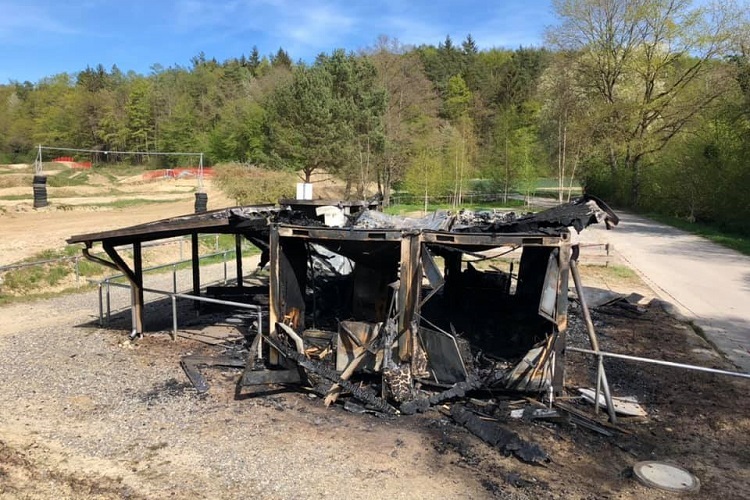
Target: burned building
402	313
406	304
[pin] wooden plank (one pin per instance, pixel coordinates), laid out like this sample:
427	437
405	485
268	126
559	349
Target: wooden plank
274	298
238	257
408	292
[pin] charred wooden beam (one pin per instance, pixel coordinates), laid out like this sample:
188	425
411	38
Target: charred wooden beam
408	292
496	435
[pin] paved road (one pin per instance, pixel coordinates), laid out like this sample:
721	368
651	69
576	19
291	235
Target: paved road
710	284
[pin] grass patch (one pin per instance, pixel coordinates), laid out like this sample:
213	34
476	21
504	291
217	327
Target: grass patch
26	281
68	178
512	204
734	240
621	272
33	282
249	185
125	203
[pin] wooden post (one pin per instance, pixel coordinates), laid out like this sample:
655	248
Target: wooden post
238	256
408	293
136	284
561	317
137	288
274	299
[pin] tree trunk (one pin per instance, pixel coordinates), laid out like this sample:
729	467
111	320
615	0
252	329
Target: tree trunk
635	187
387	184
507	173
573	173
613	162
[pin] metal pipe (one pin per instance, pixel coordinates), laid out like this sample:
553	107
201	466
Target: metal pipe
109	300
133	314
593	339
174	318
599	369
225	267
164	266
101	305
195	297
174	278
259	333
661	362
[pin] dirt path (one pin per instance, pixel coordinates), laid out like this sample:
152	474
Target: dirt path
709	283
26	231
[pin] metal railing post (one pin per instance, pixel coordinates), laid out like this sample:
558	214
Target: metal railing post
174	318
602	375
599	368
174	278
109	301
101	305
225	267
259	334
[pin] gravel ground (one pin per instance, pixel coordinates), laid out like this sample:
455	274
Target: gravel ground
84	413
93	415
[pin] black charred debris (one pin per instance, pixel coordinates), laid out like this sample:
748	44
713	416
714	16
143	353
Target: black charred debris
405	314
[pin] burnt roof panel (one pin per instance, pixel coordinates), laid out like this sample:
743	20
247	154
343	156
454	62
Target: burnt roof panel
216	221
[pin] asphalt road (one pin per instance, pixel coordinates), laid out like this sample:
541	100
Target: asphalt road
708	283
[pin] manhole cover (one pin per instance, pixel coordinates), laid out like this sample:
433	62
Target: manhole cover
665	476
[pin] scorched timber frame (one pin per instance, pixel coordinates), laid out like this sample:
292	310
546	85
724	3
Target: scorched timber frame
411	249
250	222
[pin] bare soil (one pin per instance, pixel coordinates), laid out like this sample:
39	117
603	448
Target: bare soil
88	414
25	231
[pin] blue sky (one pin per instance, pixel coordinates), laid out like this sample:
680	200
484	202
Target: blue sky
41	38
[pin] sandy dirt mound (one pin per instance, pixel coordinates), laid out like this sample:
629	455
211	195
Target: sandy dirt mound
25	231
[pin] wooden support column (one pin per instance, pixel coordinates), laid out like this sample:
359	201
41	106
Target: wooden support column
275	313
238	256
561	319
136	284
194	255
408	293
137	289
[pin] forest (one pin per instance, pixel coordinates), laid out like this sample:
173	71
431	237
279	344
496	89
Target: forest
646	103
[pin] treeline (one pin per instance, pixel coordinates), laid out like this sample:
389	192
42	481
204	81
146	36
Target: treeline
646	102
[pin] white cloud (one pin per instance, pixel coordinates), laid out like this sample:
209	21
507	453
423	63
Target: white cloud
20	20
316	25
302	28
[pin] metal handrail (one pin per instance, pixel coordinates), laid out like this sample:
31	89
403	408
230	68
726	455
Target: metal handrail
175	296
107	282
660	362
